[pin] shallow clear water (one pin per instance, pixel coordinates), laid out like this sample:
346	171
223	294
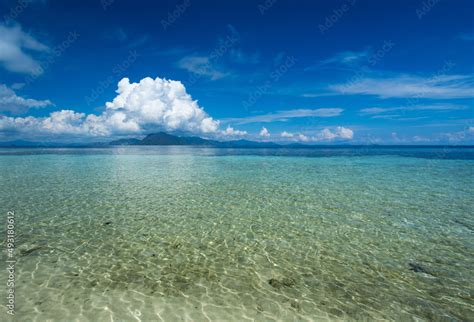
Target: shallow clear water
193	234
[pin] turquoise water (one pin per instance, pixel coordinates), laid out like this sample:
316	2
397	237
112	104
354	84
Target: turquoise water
193	234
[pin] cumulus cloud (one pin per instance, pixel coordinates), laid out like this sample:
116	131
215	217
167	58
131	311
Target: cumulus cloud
338	133
163	103
149	105
264	132
303	138
230	131
15	50
11	102
466	135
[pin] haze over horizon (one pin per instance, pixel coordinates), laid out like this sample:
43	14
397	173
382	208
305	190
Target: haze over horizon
266	71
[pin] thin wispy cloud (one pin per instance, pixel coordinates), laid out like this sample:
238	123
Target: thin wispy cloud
202	66
408	86
398	117
433	107
240	57
466	36
139	41
17	48
343	58
287	114
347	57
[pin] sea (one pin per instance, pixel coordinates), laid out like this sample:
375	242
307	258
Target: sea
182	233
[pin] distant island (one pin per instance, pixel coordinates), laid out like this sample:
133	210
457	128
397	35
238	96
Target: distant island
162	138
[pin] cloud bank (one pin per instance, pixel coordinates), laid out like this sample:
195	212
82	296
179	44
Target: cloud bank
146	106
151	104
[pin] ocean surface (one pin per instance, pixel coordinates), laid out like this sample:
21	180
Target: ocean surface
206	234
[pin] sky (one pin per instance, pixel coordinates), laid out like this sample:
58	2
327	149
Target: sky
314	72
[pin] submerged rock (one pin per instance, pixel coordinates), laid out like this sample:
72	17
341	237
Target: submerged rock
274	283
417	268
286	281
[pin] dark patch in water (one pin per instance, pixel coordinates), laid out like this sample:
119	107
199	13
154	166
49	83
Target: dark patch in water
29	250
417	268
107	223
286	281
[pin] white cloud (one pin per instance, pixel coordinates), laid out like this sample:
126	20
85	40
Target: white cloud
338	133
202	66
466	135
230	131
303	138
264	132
149	105
15	50
163	103
11	102
407	86
287	114
344	133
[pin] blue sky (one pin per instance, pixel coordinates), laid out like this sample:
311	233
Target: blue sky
353	71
